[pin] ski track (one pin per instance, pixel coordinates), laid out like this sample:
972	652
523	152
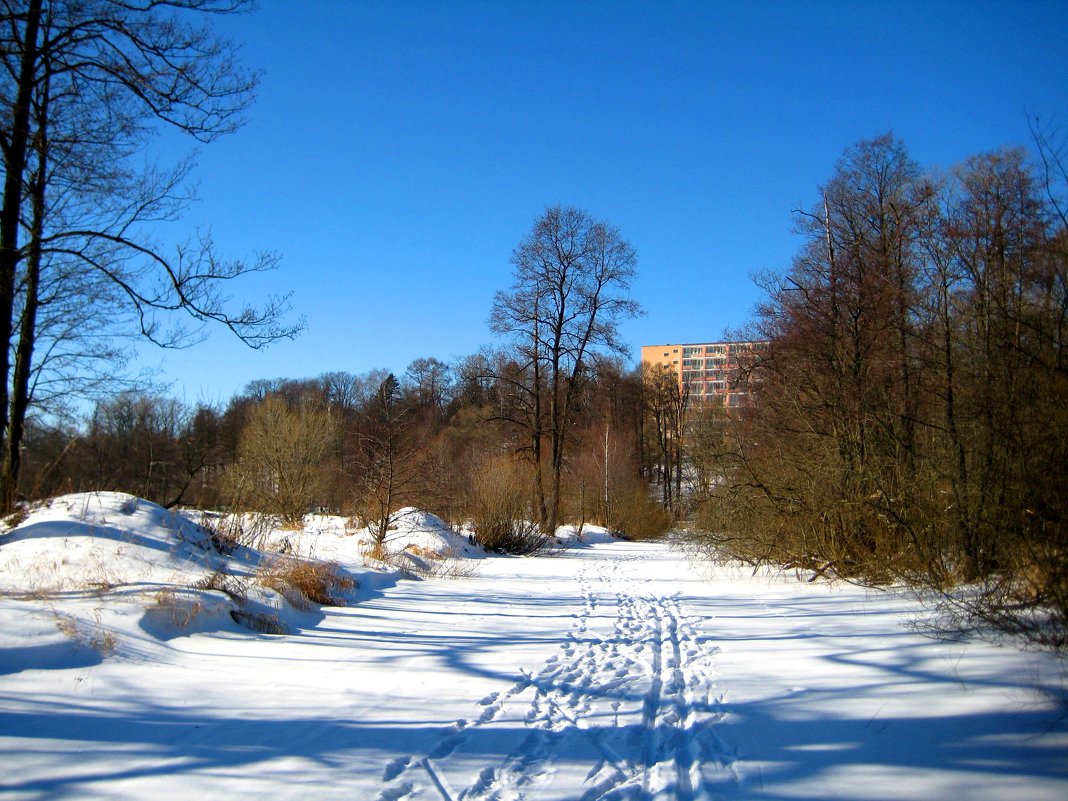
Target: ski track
639	705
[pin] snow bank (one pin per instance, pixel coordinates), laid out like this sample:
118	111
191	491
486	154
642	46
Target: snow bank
591	535
163	572
102	540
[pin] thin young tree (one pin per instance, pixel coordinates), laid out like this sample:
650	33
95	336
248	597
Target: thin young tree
389	462
283	465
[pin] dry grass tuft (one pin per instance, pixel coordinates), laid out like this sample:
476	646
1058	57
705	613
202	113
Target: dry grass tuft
96	637
231	586
68	626
180	611
418	562
304	582
375	551
15	519
256	621
424	553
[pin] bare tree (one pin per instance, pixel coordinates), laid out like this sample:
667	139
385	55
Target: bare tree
430	380
572	275
390	460
81	86
909	418
666	404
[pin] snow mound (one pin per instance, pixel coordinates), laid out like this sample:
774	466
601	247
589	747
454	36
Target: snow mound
416	530
99	571
101	540
591	535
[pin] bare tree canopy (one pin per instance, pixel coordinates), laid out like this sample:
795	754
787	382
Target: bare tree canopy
909	418
82	85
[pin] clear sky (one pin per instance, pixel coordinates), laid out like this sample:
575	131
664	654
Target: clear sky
398	151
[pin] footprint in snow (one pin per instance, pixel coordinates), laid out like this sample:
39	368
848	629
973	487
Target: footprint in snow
397	793
395	768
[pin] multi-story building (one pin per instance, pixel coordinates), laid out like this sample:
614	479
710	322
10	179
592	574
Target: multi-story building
707	371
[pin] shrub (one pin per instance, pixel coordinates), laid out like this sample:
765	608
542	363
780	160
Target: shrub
281	459
500	512
638	517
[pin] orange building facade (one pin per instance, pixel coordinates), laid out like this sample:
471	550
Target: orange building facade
707	371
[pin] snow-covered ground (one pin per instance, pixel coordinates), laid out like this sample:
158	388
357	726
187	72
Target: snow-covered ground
610	671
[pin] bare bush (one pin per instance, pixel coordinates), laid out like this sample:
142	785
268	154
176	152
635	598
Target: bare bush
281	457
500	510
638	517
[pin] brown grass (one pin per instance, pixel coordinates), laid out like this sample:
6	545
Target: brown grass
15	519
231	586
256	621
96	636
181	612
375	551
304	582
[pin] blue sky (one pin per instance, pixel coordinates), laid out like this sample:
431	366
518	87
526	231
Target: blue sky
398	151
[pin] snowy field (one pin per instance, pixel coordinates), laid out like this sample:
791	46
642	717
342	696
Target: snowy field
611	671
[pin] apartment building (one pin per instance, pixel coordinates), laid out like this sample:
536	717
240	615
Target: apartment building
707	371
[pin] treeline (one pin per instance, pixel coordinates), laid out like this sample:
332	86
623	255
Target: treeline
910	414
442	436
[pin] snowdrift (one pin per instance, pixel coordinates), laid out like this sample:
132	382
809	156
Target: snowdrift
175	576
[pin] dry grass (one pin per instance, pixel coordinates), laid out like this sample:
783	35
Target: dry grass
424	553
304	582
417	562
232	531
180	611
231	586
95	636
375	551
15	519
451	567
256	621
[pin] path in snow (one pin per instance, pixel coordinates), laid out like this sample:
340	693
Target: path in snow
637	704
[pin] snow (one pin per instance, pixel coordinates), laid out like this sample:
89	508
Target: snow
613	670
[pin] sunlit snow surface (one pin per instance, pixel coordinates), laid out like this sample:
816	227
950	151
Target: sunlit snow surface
610	671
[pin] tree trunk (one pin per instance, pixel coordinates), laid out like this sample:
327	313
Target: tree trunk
15	158
20	393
